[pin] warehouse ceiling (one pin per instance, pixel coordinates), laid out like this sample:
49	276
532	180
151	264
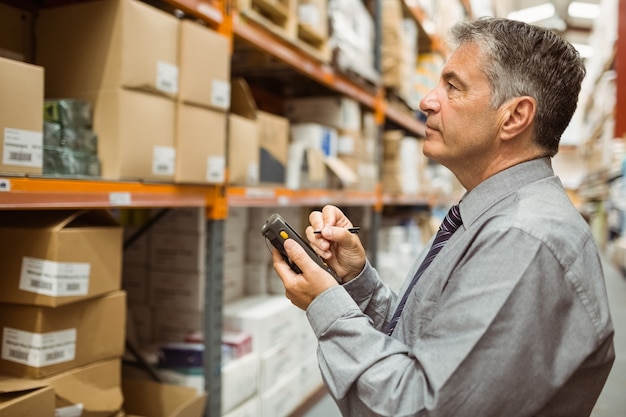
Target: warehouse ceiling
573	19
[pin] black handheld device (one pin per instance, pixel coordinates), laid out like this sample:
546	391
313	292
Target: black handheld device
277	230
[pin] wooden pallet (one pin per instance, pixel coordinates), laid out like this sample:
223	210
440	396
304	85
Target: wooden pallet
278	16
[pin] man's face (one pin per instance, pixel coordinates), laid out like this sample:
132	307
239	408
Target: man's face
461	128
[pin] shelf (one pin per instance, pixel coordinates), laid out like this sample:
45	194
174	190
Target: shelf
278	196
208	11
406	200
55	193
300	60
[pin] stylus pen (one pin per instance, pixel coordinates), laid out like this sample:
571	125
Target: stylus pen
350	229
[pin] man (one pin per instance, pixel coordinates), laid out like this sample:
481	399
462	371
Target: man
511	317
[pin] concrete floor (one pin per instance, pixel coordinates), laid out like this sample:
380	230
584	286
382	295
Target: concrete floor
612	401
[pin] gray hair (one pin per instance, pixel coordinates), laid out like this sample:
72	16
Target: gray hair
526	60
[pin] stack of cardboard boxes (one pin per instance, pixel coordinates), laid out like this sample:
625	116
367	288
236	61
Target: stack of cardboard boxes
159	87
62	314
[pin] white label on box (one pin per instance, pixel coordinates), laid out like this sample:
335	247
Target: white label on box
215	168
252	176
220	94
75	410
167	77
163	160
54	278
22	148
38	349
346	145
120	199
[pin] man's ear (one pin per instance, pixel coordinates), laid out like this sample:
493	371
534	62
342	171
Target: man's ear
519	114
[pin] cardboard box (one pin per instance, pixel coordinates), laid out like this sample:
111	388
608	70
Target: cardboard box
58	257
204	61
273	142
25	398
92	390
200	143
136	134
174	325
243	151
177	252
16	37
21	117
187	220
177	289
151	399
38	342
243	136
338	112
106	44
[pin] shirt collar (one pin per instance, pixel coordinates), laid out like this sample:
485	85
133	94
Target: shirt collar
495	188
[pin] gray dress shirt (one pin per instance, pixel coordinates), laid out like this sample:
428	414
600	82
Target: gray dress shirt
511	318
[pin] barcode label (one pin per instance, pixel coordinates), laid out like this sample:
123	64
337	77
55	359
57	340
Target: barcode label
22	148
38	349
20	156
53	356
163	160
18	354
55	279
34	283
167	77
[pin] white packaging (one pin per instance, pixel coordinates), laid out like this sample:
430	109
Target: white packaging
283	397
270	320
310	377
277	363
239	381
316	136
248	409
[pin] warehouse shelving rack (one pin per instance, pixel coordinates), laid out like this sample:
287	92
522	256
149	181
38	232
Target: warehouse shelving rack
43	193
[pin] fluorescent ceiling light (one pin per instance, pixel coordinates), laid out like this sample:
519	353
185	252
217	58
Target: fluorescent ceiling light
583	10
533	14
585	51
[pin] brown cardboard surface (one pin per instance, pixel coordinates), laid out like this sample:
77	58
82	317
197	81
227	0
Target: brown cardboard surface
21	117
273	143
107	44
97	387
200	145
33	243
69	336
243	151
151	399
135	134
25	398
241	100
204	62
15	33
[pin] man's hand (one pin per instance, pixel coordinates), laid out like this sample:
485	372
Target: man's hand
302	288
340	248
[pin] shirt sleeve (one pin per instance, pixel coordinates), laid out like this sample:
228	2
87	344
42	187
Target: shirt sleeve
509	330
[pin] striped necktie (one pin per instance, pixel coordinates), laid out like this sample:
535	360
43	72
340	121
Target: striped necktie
447	228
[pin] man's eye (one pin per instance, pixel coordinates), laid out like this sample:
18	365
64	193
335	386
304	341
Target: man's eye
451	87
